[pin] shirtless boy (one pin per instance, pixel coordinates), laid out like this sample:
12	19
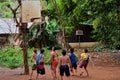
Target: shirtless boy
54	62
63	65
33	59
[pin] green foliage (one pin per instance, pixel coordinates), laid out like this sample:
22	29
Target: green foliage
107	25
103	14
98	48
52	28
11	57
4	10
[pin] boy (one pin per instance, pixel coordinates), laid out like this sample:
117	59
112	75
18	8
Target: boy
54	62
40	63
84	61
33	59
63	65
73	59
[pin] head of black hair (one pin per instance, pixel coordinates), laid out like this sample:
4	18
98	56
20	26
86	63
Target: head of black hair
35	51
42	51
85	50
63	52
54	48
71	50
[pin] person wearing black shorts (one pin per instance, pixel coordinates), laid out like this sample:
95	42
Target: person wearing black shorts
41	69
73	58
40	64
64	69
63	65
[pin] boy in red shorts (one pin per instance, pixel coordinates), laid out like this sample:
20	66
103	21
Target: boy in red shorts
84	61
40	63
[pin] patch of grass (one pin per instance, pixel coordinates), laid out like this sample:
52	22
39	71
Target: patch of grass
11	57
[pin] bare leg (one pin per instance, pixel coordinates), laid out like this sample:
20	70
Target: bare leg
37	76
61	78
72	71
52	73
55	73
76	70
68	78
81	71
44	77
31	74
87	72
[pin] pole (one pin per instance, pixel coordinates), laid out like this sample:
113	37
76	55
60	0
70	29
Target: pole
24	34
79	41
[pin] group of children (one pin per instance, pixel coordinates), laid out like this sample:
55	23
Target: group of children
66	63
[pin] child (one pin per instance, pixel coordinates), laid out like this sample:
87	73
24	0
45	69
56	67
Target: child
63	65
33	59
73	59
40	63
84	61
54	62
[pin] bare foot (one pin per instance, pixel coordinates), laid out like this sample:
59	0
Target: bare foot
81	73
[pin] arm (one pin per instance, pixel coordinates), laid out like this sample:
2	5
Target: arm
50	59
76	56
81	58
90	59
69	61
59	64
42	58
31	58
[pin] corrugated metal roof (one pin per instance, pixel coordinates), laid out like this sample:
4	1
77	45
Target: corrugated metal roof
8	26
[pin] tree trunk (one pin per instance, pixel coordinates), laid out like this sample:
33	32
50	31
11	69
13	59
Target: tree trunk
24	34
61	23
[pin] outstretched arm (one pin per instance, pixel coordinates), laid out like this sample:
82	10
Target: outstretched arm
59	64
50	59
91	61
31	58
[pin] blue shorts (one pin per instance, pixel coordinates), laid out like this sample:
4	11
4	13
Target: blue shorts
64	69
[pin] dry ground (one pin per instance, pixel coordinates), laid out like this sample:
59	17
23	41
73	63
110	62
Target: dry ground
96	73
104	69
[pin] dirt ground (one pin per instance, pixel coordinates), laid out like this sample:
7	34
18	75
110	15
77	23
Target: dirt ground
96	73
108	71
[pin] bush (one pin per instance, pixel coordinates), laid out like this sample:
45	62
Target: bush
11	57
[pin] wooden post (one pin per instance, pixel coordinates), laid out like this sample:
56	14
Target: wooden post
78	33
24	35
79	41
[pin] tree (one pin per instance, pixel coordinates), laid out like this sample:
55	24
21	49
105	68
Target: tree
4	11
22	27
102	14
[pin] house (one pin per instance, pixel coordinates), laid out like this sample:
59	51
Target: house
82	41
8	31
